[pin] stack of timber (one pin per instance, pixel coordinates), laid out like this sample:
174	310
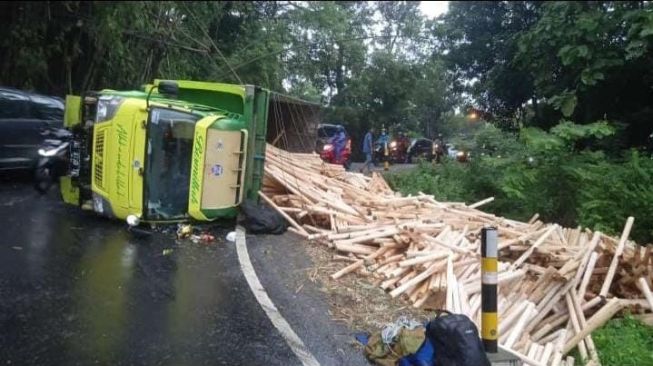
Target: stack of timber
556	285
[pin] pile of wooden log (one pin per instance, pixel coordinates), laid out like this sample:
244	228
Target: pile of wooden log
556	285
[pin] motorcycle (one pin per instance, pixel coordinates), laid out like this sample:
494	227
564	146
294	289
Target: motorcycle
378	154
398	151
54	156
328	154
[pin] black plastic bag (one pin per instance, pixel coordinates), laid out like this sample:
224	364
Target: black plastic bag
456	341
261	219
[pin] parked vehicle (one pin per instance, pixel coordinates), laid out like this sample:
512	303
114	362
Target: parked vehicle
421	148
459	155
23	119
175	151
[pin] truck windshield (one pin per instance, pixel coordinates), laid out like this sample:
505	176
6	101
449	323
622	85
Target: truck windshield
167	176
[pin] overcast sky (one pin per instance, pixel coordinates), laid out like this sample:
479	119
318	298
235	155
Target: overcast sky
433	8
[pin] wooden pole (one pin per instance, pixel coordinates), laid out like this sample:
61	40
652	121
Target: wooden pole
597	320
643	286
285	215
617	254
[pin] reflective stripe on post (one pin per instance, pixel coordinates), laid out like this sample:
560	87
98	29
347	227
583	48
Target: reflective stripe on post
489	270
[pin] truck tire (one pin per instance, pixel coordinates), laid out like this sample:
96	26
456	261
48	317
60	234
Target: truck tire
43	178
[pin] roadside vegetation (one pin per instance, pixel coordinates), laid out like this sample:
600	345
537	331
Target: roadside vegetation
553	99
624	342
562	174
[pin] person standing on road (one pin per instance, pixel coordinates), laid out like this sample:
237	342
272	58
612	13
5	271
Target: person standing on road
367	149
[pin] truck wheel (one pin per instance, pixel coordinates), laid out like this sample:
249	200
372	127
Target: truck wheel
43	179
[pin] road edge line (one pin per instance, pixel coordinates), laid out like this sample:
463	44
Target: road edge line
279	322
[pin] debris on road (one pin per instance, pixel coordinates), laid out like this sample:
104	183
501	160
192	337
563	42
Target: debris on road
184	231
231	237
556	285
399	343
202	238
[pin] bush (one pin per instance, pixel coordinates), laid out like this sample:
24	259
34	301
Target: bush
612	191
445	181
552	173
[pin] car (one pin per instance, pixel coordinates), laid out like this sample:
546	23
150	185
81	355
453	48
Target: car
420	148
24	117
462	156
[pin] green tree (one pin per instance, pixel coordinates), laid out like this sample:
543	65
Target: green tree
480	42
592	60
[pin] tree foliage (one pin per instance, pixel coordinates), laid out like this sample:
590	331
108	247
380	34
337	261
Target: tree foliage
370	64
583	61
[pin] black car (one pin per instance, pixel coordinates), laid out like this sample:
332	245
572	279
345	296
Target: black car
420	148
23	118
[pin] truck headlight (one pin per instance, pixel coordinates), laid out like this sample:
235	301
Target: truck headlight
107	106
133	220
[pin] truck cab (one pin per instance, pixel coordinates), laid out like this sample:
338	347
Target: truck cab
174	151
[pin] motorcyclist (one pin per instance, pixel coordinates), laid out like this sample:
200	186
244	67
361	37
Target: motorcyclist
383	138
402	145
380	147
339	141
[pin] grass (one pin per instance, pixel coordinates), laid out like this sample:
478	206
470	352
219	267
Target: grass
623	342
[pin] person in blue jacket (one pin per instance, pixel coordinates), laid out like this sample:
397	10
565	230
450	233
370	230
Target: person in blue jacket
367	149
339	140
383	139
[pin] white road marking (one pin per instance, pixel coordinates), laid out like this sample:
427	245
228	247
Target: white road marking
295	343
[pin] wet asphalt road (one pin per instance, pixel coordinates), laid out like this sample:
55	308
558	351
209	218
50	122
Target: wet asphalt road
79	290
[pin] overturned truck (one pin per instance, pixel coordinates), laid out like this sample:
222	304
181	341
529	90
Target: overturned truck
177	150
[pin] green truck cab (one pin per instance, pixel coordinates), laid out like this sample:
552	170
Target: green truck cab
175	151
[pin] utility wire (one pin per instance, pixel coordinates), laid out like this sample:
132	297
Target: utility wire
310	44
215	46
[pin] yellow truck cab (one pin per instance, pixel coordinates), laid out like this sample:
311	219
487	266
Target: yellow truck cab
175	151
